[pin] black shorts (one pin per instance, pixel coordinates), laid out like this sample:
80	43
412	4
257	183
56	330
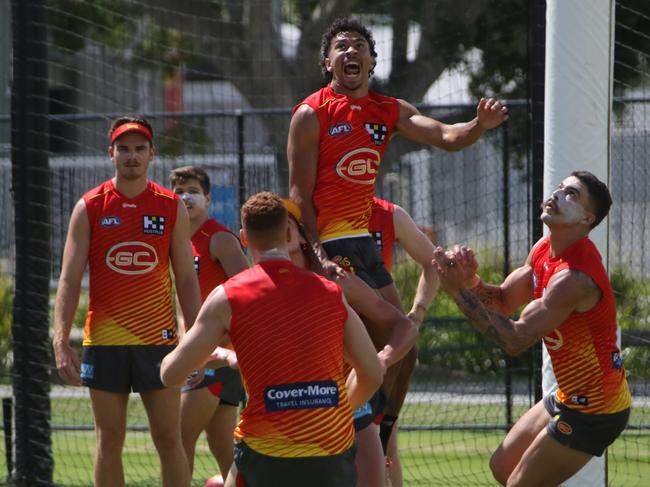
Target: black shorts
360	256
123	368
258	470
367	414
589	433
224	382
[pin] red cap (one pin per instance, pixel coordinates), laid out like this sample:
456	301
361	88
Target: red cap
131	127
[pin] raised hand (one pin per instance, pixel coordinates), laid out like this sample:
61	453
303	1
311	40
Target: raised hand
450	271
491	113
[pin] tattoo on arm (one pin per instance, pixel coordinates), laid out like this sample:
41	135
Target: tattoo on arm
498	328
489	296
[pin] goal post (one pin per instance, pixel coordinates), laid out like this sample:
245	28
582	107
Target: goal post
578	93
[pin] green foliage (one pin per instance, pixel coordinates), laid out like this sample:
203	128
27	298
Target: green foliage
6	318
447	340
633	315
73	22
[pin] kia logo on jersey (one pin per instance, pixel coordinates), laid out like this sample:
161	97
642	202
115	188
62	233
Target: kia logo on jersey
360	166
131	258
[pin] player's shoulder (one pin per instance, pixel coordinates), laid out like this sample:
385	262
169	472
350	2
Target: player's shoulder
159	191
98	191
380	98
314	101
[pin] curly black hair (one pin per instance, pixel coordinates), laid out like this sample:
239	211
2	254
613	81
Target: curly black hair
343	24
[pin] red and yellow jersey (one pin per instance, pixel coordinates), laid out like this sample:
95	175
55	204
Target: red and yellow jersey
382	229
287	328
586	359
130	285
354	133
209	271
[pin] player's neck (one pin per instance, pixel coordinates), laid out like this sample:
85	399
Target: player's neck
269	254
130	187
359	92
564	237
196	223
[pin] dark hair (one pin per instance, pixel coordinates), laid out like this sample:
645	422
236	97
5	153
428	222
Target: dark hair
264	218
181	174
344	24
307	249
599	197
130	119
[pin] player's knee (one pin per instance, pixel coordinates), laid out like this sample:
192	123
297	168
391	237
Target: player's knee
166	440
498	467
110	440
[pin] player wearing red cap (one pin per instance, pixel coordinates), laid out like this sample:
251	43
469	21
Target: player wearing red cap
128	230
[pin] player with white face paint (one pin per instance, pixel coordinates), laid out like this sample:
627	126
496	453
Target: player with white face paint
211	405
569	303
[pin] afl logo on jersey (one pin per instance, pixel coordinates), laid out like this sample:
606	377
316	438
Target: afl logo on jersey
131	258
340	129
360	166
110	221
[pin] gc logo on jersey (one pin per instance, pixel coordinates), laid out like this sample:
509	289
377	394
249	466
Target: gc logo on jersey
196	263
131	258
359	166
377	132
153	225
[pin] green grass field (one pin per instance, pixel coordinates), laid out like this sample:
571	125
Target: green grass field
430	458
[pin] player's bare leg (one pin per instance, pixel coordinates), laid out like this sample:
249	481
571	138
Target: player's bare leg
370	460
109	409
220	436
393	463
163	410
547	462
197	408
508	454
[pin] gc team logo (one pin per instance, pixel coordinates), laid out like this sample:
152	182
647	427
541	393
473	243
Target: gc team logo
131	258
359	166
554	340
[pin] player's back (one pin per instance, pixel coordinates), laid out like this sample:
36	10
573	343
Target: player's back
287	328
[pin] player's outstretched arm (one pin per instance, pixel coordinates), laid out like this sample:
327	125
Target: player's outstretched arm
567	291
197	345
420	248
182	260
390	330
367	370
490	113
75	258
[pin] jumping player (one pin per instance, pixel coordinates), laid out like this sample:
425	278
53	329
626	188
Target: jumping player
337	138
128	230
211	405
571	307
